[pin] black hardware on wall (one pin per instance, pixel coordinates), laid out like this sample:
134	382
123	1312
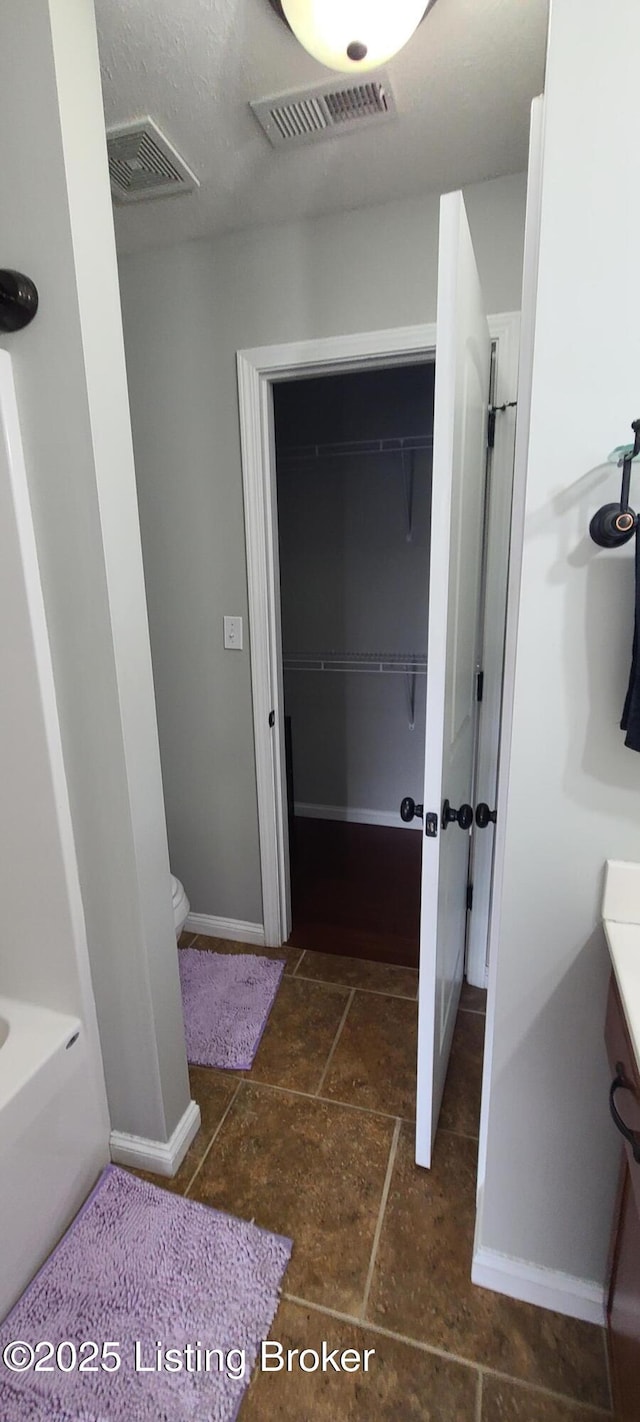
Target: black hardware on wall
18	300
493	411
614	524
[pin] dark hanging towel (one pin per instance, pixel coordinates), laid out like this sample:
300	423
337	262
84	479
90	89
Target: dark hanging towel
631	715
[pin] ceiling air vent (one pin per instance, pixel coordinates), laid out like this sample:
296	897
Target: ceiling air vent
325	110
143	164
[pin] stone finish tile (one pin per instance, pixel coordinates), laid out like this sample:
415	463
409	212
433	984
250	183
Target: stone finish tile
213	1092
403	1384
473	999
186	939
422	1283
374	1064
510	1402
359	973
309	1170
226	945
299	1035
463	1087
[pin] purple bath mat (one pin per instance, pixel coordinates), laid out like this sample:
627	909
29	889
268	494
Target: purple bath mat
143	1272
227	998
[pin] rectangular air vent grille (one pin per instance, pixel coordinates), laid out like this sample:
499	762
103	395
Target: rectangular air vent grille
143	164
363	101
322	112
299	120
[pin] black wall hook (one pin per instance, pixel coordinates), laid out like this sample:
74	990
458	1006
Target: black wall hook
615	524
18	300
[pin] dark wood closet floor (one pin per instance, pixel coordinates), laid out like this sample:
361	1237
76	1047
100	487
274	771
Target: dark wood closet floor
356	890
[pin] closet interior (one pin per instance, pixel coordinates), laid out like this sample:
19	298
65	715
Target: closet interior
353	459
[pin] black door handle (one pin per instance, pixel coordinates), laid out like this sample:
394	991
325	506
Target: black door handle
409	810
463	816
485	816
620	1083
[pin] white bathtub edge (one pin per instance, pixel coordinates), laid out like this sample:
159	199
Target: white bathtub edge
37	1035
160	1157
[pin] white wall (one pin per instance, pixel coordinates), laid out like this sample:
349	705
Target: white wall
352	579
574	790
56	224
187	310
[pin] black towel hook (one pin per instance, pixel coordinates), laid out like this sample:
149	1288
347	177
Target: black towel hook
615	524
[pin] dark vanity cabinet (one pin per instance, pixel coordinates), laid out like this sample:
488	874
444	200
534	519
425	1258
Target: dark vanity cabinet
624	1289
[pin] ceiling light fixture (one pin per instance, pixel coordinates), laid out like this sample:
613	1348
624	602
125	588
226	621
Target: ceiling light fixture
352	35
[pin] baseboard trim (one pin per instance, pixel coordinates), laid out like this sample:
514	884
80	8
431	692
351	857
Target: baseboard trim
548	1288
348	815
233	928
160	1157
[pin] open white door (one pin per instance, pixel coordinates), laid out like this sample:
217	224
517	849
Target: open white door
463	364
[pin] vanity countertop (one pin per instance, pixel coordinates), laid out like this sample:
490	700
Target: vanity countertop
621	917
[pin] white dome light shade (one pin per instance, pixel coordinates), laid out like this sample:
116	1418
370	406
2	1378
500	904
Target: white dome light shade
353	35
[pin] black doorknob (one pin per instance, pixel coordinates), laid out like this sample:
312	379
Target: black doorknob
485	816
463	816
18	301
409	810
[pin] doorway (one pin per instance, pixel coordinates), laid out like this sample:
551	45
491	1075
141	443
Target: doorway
353	485
261	371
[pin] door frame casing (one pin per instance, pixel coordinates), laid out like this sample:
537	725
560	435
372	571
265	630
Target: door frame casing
505	334
258	369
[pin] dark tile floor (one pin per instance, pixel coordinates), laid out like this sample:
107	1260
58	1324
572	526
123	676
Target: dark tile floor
316	1142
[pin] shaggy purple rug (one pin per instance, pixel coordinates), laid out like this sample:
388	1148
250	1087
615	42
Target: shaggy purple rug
227	998
142	1271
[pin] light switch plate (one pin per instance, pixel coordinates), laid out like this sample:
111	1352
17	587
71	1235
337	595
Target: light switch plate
233	634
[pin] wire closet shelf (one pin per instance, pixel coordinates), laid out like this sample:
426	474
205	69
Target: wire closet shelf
408	664
405	447
341	449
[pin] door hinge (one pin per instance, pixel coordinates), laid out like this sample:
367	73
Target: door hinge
479	685
469	897
493	411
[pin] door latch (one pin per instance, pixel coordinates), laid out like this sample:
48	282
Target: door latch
431	825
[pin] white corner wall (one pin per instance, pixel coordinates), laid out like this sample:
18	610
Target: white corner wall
56	224
187	310
550	1151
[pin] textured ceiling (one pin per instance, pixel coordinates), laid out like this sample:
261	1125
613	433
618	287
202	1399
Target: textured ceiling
463	87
